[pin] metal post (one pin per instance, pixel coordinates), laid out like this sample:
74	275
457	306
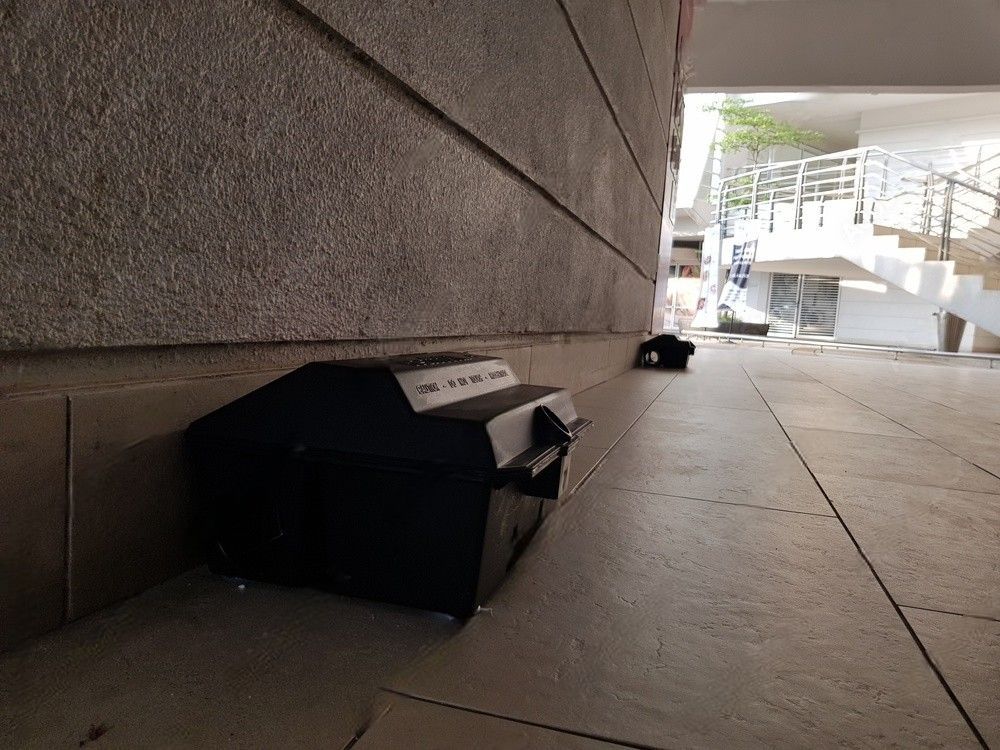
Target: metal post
718	208
797	204
859	187
925	224
753	195
949	194
996	211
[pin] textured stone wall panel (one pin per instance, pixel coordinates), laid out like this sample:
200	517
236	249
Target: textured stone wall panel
212	172
656	23
611	40
512	74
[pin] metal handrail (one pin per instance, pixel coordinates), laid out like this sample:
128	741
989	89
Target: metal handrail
908	155
859	152
863	185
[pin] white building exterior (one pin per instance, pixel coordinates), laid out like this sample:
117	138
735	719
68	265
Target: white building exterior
866	308
869	310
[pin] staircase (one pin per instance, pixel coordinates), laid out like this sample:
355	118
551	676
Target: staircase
935	235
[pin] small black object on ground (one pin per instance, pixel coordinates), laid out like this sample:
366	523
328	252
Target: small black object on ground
665	350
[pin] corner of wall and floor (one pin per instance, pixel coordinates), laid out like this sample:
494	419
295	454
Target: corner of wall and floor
227	191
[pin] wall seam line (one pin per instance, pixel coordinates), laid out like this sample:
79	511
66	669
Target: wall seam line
507	341
674	72
649	76
465	135
607	102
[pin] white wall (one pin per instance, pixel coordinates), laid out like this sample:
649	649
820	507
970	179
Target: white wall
870	312
757	288
957	121
873	312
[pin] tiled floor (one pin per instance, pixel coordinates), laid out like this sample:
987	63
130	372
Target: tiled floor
770	549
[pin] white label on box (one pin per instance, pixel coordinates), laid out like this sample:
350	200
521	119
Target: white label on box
432	387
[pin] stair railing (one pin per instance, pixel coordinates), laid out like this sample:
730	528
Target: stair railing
868	186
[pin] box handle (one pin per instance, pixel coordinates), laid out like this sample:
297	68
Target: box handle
557	439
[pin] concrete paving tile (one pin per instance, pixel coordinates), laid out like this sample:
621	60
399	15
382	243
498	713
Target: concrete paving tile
932	547
735	392
647	379
974	438
957	389
842	417
610	396
891	459
683	624
407	724
967	651
609	423
798	392
774	370
750	468
641	380
199	662
680	416
961	389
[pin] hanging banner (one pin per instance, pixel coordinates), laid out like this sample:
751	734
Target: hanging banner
707	311
734	293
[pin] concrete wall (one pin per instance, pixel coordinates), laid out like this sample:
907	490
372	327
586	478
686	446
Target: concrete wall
199	196
873	312
870	311
814	44
964	122
758	288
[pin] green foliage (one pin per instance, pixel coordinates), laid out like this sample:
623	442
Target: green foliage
739	191
754	130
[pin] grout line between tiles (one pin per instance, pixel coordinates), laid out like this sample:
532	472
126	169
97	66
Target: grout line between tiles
856	432
929	400
702	405
922	484
905	427
878	579
359	733
987	618
525	722
586	477
726	502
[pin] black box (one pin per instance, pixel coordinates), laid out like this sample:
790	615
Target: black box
665	350
415	479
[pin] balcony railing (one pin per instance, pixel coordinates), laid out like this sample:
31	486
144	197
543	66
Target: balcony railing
871	186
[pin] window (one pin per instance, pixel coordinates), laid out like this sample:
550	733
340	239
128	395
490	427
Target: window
802	306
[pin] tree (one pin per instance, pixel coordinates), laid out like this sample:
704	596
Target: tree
755	130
